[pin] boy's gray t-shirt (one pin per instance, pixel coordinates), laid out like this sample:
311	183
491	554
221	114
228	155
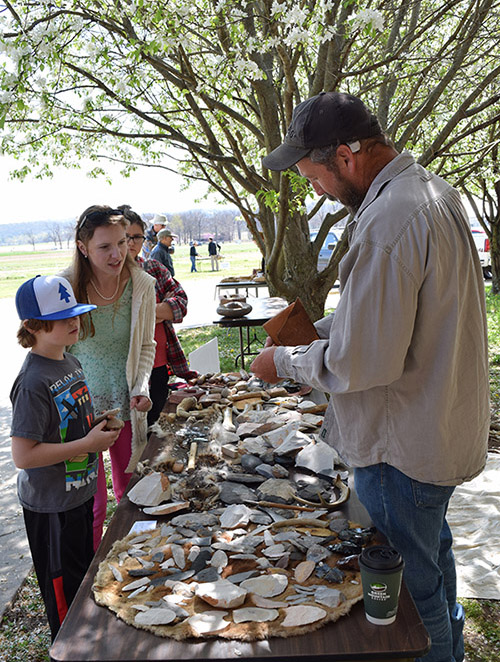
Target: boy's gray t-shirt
51	403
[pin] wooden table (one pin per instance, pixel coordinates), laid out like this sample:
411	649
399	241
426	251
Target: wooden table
262	311
94	634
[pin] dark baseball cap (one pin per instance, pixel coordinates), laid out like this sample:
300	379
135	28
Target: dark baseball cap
329	118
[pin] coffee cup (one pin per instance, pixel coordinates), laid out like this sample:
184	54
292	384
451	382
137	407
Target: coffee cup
381	572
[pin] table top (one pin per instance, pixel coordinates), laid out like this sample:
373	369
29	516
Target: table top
262	310
93	633
222	285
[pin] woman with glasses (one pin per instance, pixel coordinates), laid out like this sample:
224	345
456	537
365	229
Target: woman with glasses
171	306
116	346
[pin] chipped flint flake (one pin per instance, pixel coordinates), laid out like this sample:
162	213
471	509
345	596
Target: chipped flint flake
267	603
219	559
254	614
274	551
304	570
330	597
169	563
136	592
268	538
318	457
148	491
235	515
179	556
116	573
294	441
302	615
208	621
222	594
158	616
266	586
175	599
136	584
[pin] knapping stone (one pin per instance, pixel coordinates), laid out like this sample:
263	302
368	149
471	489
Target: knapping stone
250	462
235	493
276	489
265	470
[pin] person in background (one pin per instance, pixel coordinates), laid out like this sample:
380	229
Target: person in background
162	250
116	346
171	307
405	354
213	249
151	236
53	442
193	254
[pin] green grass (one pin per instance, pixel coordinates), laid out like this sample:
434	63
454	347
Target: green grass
228	341
482	630
24	632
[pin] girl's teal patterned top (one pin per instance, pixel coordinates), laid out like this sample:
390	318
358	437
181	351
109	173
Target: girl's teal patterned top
104	355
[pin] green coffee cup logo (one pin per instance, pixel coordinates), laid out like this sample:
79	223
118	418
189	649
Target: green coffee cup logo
378	587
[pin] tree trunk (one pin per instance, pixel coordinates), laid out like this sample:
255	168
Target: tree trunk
495	258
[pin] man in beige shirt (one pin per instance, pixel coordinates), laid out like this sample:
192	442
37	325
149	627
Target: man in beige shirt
404	356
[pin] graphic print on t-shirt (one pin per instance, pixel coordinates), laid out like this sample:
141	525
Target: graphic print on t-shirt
74	404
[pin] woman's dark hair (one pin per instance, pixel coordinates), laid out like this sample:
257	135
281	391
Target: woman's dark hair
132	216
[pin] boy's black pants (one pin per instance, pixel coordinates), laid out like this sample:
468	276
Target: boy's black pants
61	549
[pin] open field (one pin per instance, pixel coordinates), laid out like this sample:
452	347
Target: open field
238	259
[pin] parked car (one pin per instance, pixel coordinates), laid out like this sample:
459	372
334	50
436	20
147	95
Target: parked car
483	247
327	249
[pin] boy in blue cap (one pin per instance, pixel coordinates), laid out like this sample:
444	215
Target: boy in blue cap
54	443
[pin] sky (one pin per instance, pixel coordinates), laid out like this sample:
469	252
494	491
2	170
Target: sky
69	192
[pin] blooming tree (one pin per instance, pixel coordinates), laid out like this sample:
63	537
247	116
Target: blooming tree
207	88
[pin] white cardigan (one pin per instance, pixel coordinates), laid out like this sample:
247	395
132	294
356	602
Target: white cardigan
141	352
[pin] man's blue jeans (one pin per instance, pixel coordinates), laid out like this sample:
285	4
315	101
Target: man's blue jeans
412	516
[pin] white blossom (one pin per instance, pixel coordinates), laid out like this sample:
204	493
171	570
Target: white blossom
6	96
297	36
248	68
369	18
277	8
296	16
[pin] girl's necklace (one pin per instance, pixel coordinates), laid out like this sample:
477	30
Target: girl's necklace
102	295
